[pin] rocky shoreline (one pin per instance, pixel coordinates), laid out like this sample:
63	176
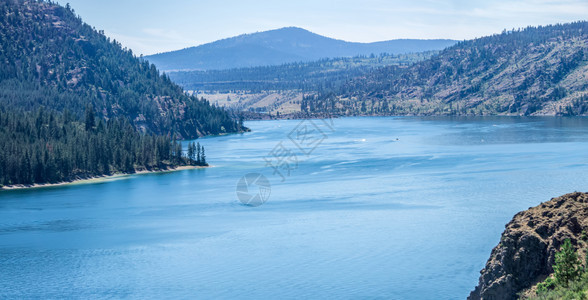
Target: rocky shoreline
526	252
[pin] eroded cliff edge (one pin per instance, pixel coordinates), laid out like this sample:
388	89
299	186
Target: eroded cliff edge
526	252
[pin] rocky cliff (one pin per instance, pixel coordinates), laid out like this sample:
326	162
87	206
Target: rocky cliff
526	252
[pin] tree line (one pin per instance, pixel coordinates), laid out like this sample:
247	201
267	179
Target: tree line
75	104
48	147
324	74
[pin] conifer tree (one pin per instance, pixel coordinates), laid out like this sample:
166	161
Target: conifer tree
198	154
203	158
567	265
191	153
90	118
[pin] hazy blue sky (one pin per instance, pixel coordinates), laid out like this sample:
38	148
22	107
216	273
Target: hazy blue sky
149	27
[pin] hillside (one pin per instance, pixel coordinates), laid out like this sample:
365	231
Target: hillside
74	104
280	46
526	253
534	71
51	58
302	76
531	71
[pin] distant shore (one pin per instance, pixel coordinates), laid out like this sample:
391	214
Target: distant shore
96	179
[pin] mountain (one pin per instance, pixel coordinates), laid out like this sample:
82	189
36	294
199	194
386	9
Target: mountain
533	71
275	47
51	58
527	250
75	104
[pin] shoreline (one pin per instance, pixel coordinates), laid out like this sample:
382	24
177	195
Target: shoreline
337	116
96	179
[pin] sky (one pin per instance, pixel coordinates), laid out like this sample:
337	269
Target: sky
149	27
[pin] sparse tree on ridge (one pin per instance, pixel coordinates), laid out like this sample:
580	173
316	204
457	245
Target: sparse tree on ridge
567	265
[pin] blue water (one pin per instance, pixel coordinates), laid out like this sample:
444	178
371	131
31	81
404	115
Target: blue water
395	208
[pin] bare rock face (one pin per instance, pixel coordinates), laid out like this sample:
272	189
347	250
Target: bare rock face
526	252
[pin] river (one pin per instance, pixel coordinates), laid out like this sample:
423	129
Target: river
394	208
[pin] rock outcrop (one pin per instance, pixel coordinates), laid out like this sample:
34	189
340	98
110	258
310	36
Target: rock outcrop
526	252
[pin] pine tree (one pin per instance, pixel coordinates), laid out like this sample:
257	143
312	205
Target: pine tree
567	265
198	153
203	158
191	154
241	121
90	118
178	154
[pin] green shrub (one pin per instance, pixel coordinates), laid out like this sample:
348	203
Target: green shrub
548	284
576	290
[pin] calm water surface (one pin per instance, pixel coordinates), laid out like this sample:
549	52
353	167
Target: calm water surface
395	208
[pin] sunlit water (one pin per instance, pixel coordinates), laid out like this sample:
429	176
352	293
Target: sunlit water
395	208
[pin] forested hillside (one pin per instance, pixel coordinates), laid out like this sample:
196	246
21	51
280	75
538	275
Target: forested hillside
533	71
74	103
51	58
47	147
324	74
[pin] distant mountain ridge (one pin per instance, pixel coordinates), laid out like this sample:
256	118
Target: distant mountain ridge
279	46
532	71
306	76
539	70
